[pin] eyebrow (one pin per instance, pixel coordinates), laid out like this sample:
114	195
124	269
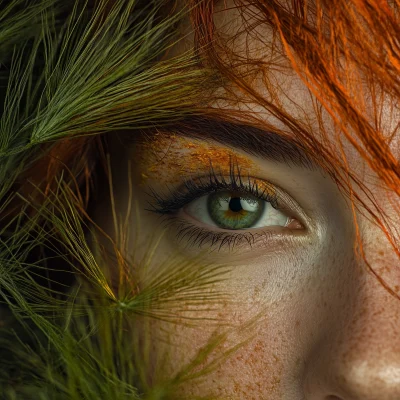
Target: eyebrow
254	141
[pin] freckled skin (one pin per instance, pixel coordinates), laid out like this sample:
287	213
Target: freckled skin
314	323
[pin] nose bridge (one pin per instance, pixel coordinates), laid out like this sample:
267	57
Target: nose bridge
360	358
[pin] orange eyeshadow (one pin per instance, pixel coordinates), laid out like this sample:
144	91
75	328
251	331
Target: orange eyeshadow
170	157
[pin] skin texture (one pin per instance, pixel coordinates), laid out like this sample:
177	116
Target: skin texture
313	322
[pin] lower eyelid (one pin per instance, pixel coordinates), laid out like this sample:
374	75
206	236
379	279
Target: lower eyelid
191	235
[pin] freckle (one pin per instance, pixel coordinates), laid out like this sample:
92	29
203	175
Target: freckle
381	252
297	323
264	283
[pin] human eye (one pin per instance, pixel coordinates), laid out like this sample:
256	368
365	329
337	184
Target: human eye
235	210
226	210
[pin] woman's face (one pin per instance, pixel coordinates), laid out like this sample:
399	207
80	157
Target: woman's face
311	321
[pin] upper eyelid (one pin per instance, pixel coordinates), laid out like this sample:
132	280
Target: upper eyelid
245	187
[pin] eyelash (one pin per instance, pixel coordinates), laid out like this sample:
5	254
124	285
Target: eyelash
194	188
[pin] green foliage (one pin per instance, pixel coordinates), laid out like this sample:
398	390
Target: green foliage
67	70
85	71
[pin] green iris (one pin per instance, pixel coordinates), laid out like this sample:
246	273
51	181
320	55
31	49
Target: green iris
230	210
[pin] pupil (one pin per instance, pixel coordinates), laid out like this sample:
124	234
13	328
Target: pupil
235	204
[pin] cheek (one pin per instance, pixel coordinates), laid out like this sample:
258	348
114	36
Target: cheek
255	348
277	314
245	353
